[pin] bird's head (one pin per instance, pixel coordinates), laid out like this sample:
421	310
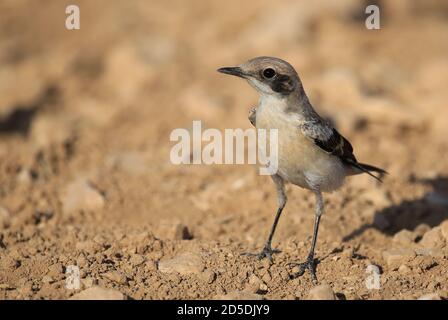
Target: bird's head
268	75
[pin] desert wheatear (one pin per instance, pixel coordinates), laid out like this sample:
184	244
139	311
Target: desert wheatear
311	153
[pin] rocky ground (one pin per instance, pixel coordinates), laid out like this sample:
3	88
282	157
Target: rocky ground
86	181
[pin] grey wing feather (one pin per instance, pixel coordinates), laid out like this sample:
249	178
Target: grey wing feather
328	139
332	142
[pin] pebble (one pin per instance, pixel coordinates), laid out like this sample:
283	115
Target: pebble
433	238
46	131
115	276
47	279
403	269
321	292
208	276
424	262
256	285
131	163
444	230
396	257
432	252
81	195
98	293
421	229
24	177
55	270
136	260
173	231
187	263
4	217
430	296
404	237
88	282
89	246
348	252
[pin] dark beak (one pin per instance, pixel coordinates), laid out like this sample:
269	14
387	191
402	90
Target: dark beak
234	71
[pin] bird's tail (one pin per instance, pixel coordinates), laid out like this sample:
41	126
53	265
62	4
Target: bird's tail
367	168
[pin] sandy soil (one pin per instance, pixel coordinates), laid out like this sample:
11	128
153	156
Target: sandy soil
86	181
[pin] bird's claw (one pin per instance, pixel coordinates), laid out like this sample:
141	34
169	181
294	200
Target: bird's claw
309	264
267	252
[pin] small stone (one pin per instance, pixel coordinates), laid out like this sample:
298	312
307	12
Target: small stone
444	230
173	231
421	229
432	252
208	276
321	292
24	177
433	239
150	265
404	237
98	293
238	184
136	260
187	263
396	257
132	163
256	285
55	270
115	276
81	195
4	218
239	295
81	261
424	262
266	277
430	296
89	246
88	282
348	252
404	269
5	286
47	279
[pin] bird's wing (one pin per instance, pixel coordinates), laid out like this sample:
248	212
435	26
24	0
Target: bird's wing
253	116
328	139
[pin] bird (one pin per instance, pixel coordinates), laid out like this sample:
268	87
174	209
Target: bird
312	154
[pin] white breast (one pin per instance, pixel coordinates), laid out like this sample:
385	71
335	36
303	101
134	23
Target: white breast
300	161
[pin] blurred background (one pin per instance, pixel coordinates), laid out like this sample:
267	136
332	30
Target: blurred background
85	118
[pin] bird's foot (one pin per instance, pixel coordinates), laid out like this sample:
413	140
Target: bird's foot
267	252
309	264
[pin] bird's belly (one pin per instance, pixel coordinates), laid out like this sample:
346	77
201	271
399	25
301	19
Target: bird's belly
300	161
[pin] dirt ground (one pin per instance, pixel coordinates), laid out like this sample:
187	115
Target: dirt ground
86	181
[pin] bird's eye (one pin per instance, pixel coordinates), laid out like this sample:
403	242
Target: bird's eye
268	73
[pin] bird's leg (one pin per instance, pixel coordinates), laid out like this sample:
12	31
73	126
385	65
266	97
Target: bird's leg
310	262
267	251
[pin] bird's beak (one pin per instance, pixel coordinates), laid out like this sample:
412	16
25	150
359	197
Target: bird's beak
234	71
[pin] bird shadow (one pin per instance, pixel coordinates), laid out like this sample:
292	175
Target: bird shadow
430	209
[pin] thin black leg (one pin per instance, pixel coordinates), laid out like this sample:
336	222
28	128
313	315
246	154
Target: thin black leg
310	263
267	251
274	226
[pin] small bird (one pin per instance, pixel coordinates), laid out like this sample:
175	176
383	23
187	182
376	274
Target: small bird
311	153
